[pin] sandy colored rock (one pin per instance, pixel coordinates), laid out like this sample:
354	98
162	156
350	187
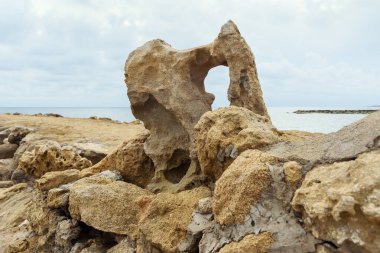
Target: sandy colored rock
293	173
251	243
7	150
240	186
340	203
54	179
50	156
166	91
223	134
106	204
58	197
164	222
130	160
15	203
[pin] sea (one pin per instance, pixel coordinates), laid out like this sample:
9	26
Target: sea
283	118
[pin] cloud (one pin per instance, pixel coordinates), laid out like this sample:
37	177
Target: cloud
72	53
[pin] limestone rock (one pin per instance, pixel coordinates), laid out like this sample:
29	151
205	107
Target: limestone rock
165	219
240	186
50	156
54	179
106	204
340	203
7	150
293	173
130	160
58	197
223	134
166	91
251	197
251	243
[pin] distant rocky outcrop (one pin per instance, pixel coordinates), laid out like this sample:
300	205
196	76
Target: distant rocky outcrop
194	181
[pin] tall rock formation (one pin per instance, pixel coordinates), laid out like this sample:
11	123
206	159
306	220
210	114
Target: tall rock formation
166	90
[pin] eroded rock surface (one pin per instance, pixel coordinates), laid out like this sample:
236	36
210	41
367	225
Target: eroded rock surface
341	203
106	204
130	160
223	134
166	91
50	156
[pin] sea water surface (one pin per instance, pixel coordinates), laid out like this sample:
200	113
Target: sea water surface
282	117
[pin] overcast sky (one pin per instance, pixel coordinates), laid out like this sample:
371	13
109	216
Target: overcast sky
72	53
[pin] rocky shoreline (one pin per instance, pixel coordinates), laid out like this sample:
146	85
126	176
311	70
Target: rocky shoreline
190	180
335	111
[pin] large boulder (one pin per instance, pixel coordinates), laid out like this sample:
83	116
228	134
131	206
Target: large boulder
340	203
241	185
103	202
223	134
166	217
48	156
253	196
166	91
130	160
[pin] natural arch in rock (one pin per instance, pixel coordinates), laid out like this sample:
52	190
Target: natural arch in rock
166	90
216	82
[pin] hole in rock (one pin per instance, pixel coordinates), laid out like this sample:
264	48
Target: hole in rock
177	166
217	82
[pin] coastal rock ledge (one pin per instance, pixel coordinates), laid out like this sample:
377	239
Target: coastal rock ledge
190	180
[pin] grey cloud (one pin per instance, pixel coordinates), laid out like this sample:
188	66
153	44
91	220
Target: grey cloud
58	53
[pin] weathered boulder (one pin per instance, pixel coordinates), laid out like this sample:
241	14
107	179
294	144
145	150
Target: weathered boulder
106	204
130	160
166	91
223	134
340	203
54	179
50	156
7	150
240	186
165	218
251	243
252	196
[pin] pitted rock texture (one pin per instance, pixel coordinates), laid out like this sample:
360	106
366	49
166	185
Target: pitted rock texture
166	91
252	196
165	218
50	156
223	134
130	160
340	203
244	180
